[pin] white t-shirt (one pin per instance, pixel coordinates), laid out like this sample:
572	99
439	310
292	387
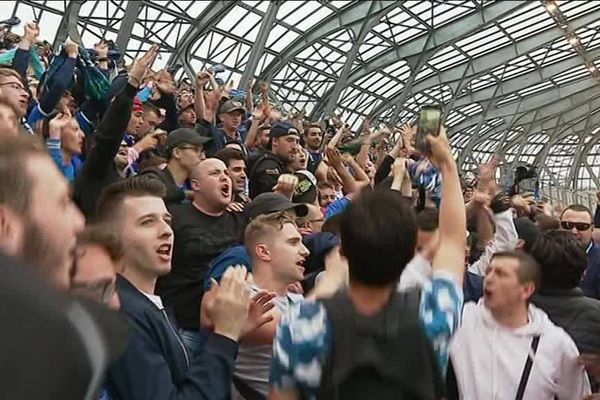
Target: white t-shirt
155	299
253	362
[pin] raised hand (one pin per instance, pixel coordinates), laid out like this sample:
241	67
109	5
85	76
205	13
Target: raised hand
57	124
165	82
440	154
286	185
31	31
334	157
259	311
71	48
399	167
231	303
141	66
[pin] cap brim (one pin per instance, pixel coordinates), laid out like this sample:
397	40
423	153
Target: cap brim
201	140
234	109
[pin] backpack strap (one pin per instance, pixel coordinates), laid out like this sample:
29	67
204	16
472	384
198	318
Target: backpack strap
527	368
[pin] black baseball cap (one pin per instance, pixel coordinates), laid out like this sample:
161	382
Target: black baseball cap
267	203
181	110
184	135
283	128
231	106
306	191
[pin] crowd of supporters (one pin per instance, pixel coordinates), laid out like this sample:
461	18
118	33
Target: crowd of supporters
162	239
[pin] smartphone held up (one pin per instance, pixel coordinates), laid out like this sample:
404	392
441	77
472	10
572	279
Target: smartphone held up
428	123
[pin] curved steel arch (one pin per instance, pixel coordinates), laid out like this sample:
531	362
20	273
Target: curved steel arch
479	66
206	20
350	16
428	44
568	119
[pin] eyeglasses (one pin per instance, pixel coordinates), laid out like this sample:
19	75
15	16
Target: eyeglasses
14	85
580	226
102	292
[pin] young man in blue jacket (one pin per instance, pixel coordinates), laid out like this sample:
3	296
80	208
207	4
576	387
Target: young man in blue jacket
157	365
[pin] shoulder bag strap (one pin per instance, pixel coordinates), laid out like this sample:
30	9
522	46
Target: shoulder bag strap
527	368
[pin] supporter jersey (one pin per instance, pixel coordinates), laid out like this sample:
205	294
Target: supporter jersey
304	337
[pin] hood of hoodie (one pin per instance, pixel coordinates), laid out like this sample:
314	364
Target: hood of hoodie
538	321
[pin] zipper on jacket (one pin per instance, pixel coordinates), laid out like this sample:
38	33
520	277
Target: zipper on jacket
187	360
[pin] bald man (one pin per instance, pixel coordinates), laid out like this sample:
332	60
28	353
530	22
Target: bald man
203	230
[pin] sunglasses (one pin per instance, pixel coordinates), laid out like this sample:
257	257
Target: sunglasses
580	226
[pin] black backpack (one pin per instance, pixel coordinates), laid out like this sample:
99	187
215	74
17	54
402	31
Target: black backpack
385	356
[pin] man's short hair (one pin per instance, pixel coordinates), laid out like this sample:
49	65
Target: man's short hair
264	226
228	154
379	234
529	270
428	220
578	208
149	107
562	257
112	196
312	125
325	185
15	180
104	236
6	72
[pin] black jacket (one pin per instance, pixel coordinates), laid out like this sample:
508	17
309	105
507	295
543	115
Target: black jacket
175	194
99	169
156	365
264	173
577	314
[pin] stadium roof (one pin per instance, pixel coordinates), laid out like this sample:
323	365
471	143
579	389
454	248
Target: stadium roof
518	78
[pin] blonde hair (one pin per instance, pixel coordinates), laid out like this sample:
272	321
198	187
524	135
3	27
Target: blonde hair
265	226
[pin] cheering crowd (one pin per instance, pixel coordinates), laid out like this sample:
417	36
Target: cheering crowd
187	240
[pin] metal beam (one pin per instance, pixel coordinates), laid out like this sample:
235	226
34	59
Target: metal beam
483	64
440	37
259	44
565	123
346	17
568	120
331	98
131	14
516	83
68	23
552	99
206	20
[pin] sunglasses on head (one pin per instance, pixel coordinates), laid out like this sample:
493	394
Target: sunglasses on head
580	226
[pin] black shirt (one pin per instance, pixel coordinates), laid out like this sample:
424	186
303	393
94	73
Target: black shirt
199	239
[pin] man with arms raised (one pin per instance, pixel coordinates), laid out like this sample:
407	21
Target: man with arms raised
378	237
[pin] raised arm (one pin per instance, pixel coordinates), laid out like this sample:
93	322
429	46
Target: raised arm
31	31
453	225
112	127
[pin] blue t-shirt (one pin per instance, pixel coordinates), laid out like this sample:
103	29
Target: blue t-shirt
304	338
